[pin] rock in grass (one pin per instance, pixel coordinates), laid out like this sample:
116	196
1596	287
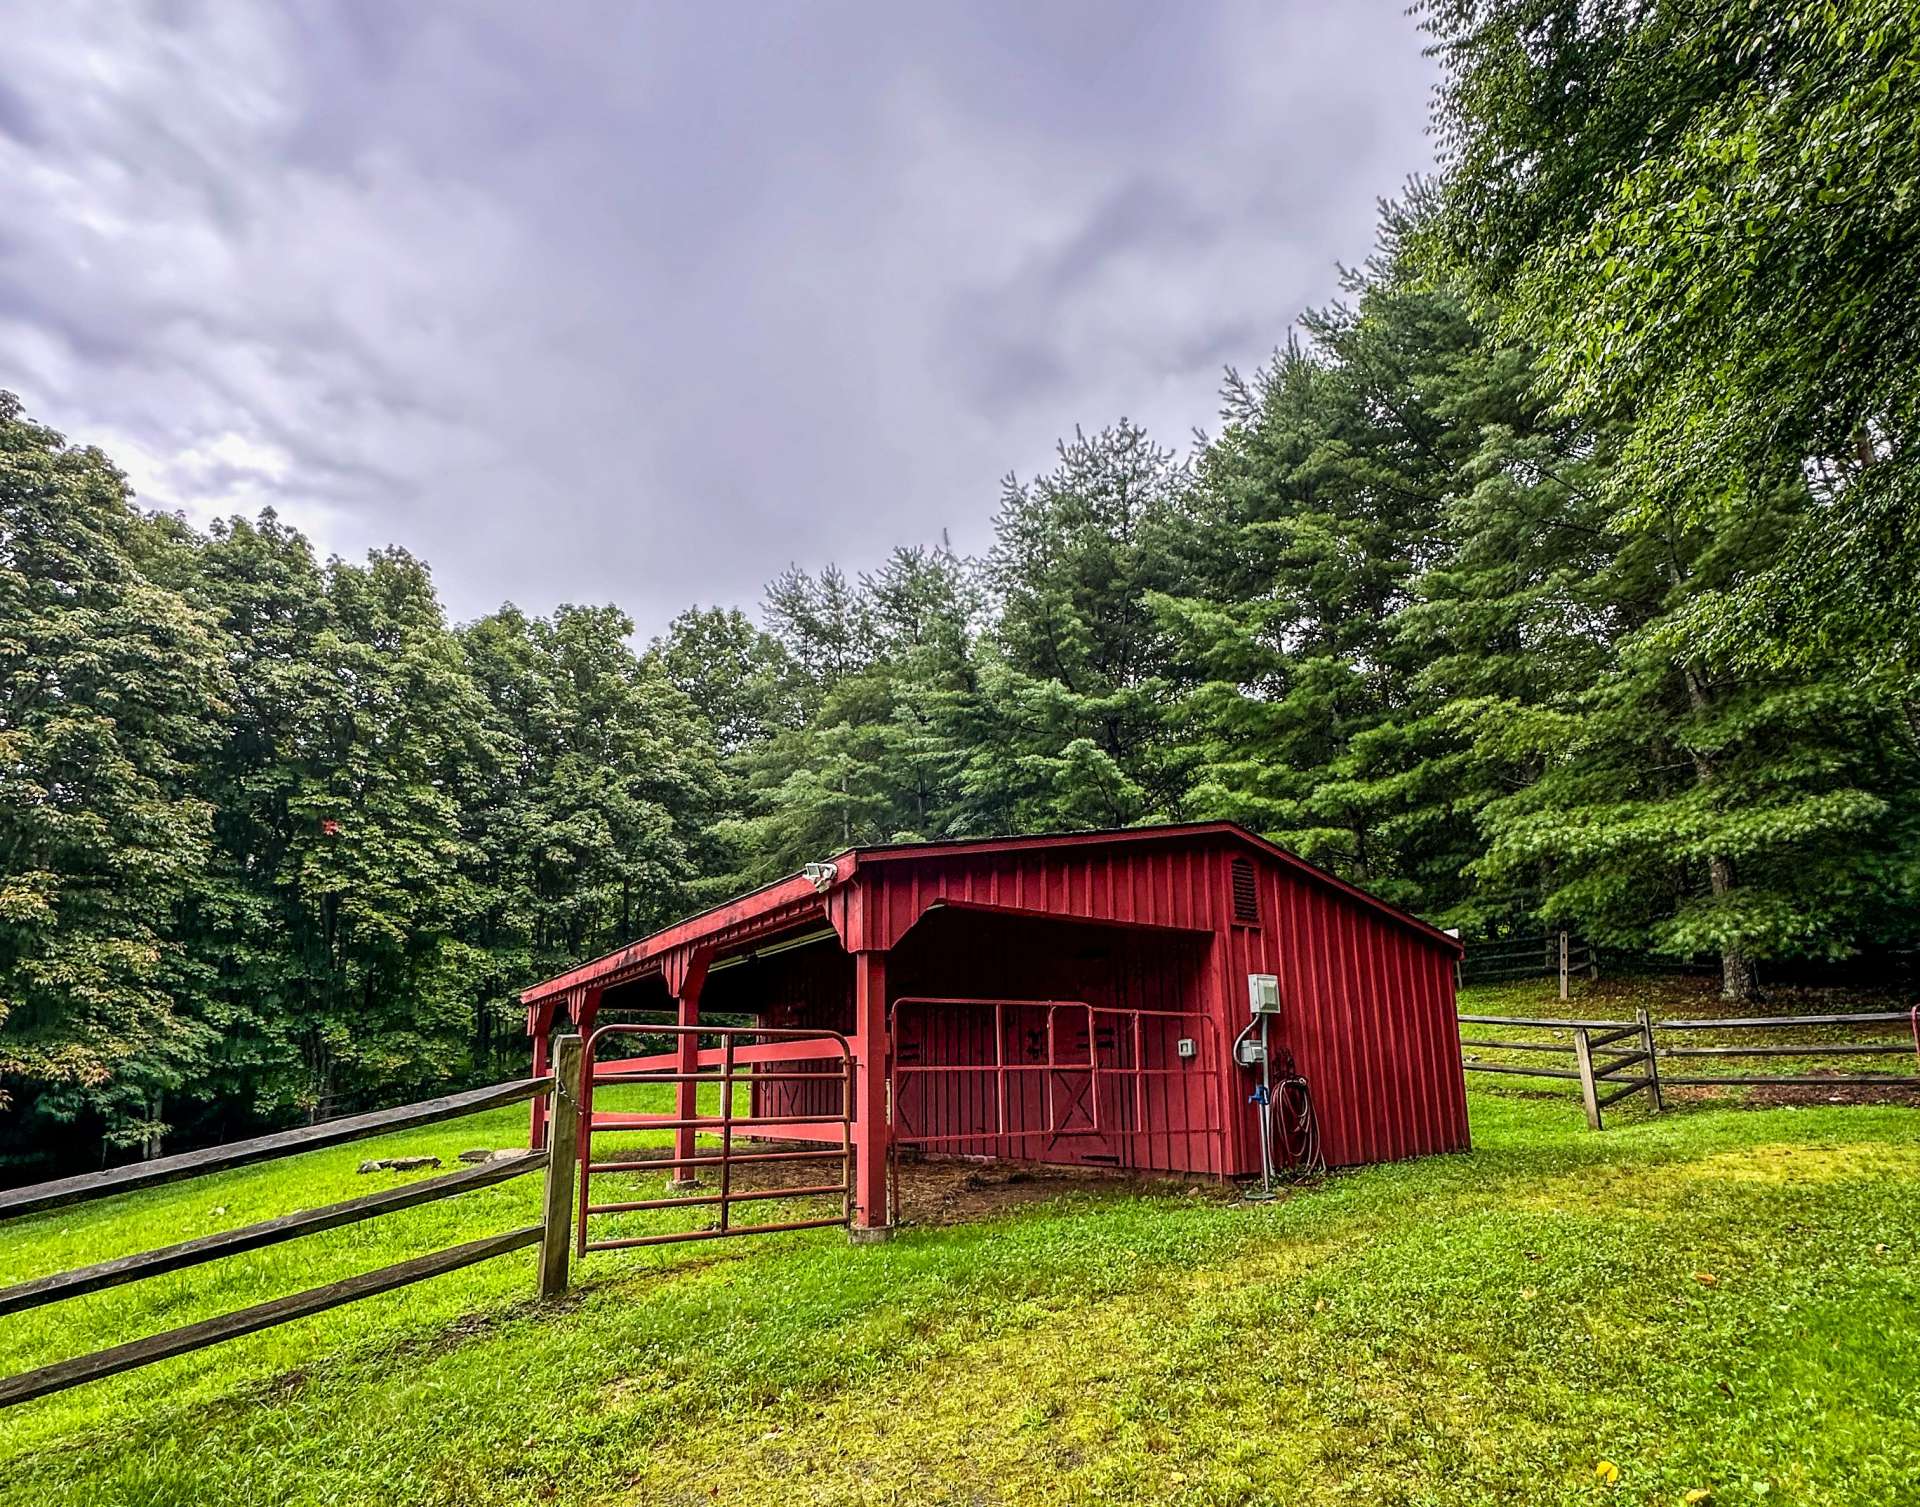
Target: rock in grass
400	1164
484	1154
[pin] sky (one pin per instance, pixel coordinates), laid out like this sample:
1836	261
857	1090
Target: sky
643	302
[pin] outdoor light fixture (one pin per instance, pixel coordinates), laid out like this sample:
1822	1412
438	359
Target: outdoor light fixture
821	875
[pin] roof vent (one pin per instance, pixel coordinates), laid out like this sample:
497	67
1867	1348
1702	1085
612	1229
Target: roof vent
1246	898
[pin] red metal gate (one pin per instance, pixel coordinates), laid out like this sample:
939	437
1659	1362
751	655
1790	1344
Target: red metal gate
1099	1081
764	1059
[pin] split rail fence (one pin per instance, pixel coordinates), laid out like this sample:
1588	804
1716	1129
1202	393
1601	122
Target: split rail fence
1613	1060
1558	952
562	1090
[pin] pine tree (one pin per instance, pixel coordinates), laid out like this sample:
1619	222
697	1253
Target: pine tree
888	678
1320	505
1070	727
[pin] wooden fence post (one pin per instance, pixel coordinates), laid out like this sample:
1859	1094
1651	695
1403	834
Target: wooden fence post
1583	1059
1563	963
563	1144
1653	1062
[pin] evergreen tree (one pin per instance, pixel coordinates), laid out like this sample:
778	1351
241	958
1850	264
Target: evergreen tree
1070	727
1693	804
1320	505
888	678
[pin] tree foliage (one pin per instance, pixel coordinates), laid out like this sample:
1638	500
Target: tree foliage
1560	573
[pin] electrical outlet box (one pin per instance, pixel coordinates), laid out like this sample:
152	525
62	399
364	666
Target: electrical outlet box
1250	1052
1186	1046
1263	993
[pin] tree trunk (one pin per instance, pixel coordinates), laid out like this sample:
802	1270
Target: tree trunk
1737	979
150	1147
1737	976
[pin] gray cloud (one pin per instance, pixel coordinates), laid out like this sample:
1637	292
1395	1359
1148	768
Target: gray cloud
641	303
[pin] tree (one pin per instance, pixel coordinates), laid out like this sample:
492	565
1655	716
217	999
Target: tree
740	680
605	786
110	688
1706	218
1071	726
261	584
888	681
1317	510
389	735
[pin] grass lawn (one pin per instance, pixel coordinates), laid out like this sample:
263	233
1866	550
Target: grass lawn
1723	1299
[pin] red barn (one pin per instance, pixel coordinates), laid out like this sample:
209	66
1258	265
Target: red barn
1089	998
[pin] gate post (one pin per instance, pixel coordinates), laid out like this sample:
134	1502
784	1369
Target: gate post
1583	1059
556	1220
871	1131
1653	1060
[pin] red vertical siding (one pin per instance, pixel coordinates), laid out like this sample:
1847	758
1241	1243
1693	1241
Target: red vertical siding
1368	1014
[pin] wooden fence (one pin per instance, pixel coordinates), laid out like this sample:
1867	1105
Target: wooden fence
552	1234
1558	952
1616	1059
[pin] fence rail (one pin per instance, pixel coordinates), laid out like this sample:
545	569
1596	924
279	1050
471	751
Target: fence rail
1529	957
562	1091
1616	1059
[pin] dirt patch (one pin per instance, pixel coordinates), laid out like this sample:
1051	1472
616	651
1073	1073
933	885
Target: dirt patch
955	1190
1792	1095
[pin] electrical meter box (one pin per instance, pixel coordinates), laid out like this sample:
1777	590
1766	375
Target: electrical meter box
1263	993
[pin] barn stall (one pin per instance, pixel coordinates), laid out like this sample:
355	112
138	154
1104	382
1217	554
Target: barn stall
1188	1000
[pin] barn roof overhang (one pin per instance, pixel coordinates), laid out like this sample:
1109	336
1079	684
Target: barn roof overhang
800	900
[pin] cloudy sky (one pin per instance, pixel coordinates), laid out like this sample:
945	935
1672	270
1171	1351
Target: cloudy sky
640	302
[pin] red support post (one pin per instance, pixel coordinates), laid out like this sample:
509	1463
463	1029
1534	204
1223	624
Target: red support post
542	1064
872	1219
686	1098
585	1005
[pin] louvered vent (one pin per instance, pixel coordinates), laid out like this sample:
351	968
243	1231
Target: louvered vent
1246	899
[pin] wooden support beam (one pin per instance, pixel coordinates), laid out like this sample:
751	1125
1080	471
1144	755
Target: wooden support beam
1520	1069
1546	1022
1760	1022
1794	1080
155	1347
1626	1090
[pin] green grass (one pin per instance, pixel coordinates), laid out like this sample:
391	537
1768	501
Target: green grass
1720	1299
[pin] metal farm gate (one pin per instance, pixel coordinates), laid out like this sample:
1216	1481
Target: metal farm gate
767	1057
1056	1081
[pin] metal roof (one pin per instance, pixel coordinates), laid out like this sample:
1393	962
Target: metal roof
795	898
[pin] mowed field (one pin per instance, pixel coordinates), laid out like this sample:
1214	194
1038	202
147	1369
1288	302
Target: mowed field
1724	1299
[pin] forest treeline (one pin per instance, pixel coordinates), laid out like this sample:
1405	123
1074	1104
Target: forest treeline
1562	572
